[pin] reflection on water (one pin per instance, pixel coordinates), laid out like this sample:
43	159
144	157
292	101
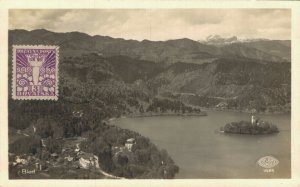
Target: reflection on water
201	151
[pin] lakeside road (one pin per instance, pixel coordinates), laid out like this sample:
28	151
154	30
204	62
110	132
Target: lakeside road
109	175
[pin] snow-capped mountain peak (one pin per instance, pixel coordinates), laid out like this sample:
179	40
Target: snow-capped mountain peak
219	40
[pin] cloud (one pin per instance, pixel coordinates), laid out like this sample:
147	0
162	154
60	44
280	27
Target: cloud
196	17
159	24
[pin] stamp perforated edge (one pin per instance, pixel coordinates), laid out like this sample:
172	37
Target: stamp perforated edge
13	88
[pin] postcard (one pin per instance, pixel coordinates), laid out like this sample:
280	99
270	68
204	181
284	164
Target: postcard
112	94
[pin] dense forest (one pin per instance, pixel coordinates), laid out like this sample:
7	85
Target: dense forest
243	84
167	105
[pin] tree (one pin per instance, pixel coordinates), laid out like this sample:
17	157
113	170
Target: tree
141	109
122	160
54	146
105	158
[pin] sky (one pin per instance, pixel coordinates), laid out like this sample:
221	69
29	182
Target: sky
159	24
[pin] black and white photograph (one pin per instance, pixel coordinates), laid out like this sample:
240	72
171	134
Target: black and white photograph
143	93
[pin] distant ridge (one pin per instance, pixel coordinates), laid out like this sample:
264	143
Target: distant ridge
170	51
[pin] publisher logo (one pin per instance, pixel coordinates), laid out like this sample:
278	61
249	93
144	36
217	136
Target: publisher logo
268	162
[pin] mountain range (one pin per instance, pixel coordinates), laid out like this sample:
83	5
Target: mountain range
170	51
244	75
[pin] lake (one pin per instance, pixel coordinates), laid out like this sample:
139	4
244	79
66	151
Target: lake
201	151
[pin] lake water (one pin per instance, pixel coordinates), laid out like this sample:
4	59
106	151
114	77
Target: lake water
201	151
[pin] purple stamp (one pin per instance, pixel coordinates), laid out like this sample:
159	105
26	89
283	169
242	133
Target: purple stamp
35	72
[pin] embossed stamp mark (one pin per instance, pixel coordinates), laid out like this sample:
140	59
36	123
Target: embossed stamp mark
35	72
268	162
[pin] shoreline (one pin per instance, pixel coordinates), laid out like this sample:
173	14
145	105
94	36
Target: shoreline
204	112
241	111
138	115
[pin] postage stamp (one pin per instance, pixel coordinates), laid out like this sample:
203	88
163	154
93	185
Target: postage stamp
35	72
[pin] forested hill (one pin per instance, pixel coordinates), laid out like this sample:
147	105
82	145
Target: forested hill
238	84
240	76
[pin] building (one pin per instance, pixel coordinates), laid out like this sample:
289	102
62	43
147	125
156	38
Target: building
44	142
129	143
54	156
20	160
38	166
222	105
77	149
34	129
88	160
254	121
78	114
69	158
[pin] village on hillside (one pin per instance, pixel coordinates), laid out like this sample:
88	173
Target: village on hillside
71	156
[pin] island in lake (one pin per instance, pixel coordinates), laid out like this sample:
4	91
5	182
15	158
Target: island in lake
255	126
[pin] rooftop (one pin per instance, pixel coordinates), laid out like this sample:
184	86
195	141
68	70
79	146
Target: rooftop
130	140
86	156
